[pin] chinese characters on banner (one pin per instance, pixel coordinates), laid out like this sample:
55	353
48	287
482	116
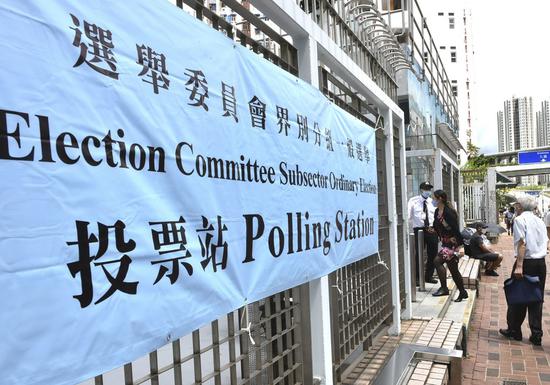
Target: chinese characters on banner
153	184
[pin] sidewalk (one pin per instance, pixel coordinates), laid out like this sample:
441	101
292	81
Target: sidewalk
493	358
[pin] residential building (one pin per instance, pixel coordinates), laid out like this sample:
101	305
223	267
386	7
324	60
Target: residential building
428	98
451	24
517	130
501	132
543	124
543	132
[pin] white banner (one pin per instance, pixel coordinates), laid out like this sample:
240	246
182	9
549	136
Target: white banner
155	176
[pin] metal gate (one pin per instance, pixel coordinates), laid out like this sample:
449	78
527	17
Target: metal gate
275	350
474	195
474	202
361	295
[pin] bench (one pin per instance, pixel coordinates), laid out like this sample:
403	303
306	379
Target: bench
441	333
429	373
426	353
430	365
470	271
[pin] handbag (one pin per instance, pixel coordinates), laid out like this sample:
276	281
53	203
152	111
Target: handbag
522	291
447	254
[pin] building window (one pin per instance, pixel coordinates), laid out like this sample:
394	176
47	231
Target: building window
426	58
453	81
230	18
455	90
441	47
213	7
451	23
440	14
453	57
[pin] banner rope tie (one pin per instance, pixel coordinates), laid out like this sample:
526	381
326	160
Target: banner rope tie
380	262
337	286
248	328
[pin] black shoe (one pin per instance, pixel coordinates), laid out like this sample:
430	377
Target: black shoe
461	296
431	280
537	341
510	334
441	292
491	273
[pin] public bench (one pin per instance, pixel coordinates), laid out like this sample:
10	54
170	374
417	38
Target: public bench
434	358
441	333
470	271
429	373
422	365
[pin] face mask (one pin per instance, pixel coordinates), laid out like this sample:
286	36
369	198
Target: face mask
483	231
425	194
435	202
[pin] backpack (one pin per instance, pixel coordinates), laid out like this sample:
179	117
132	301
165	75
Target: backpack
467	235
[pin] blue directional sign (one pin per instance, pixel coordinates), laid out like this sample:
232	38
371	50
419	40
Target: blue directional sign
534	157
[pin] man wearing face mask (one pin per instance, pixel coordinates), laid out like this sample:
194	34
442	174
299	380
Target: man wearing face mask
479	250
421	217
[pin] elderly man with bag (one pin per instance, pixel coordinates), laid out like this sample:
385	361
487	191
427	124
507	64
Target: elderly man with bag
530	243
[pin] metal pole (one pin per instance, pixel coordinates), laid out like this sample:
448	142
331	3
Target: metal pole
421	269
413	266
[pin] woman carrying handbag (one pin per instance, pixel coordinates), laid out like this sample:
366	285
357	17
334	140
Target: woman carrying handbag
446	226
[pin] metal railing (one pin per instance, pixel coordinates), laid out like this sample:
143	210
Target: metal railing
280	51
333	16
424	56
424	51
274	350
429	141
346	98
361	295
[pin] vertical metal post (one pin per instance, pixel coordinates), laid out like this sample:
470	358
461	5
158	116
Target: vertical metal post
319	289
412	286
407	313
420	267
395	329
491	192
438	171
452	194
461	200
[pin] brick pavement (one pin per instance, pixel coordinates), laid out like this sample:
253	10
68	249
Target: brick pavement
493	358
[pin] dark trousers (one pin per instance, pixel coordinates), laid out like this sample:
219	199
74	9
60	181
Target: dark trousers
453	268
516	313
430	242
492	260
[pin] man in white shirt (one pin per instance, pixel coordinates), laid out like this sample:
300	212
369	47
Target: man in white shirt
530	243
421	217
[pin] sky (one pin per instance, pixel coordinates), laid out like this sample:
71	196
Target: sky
511	57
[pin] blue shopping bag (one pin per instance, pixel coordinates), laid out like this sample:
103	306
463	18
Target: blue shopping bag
522	291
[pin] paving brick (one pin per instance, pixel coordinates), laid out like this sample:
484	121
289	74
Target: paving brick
491	357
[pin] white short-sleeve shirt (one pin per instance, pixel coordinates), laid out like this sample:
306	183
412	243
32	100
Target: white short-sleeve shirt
416	211
532	230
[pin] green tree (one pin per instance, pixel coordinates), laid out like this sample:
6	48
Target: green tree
472	150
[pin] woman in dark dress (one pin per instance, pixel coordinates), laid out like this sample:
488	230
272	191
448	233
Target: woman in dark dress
446	226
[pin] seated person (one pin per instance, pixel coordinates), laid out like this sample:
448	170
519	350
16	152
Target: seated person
479	250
